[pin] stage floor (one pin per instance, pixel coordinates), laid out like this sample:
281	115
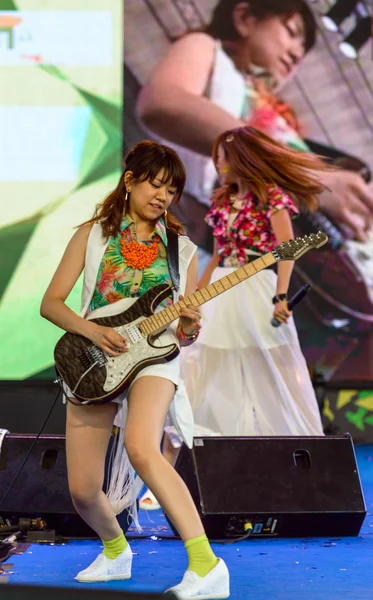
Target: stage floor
299	569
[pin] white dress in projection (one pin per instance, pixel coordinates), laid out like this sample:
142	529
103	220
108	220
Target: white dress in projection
243	376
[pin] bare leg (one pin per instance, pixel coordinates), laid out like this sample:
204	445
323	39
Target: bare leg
148	404
88	430
148	500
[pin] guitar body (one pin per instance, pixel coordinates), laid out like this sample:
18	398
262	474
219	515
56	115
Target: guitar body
93	376
340	275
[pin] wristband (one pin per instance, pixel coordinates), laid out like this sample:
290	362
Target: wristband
279	298
187	338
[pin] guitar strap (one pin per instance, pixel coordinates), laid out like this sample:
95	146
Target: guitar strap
173	258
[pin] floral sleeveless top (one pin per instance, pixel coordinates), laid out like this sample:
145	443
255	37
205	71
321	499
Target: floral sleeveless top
251	228
117	280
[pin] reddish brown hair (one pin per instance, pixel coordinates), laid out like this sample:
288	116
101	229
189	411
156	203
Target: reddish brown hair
145	160
259	160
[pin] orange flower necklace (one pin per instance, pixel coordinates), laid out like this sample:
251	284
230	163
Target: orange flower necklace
139	256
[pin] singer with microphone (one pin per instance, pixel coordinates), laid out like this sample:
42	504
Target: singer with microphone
246	375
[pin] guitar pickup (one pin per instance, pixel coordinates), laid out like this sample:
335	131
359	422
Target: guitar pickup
93	355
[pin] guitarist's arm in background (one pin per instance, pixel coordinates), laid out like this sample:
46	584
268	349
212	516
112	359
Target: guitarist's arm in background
348	200
53	305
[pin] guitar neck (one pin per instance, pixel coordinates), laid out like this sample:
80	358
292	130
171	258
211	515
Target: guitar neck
160	320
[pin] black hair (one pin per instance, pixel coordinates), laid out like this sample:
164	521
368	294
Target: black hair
222	27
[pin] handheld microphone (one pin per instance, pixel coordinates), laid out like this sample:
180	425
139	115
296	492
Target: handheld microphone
298	297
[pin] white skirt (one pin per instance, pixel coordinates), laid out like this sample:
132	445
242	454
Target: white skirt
243	376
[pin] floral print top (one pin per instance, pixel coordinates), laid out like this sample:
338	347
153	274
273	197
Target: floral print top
251	228
263	110
116	280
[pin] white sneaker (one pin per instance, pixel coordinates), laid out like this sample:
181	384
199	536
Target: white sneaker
149	502
107	569
214	585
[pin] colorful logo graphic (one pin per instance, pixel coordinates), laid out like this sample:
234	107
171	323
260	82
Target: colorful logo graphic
7	25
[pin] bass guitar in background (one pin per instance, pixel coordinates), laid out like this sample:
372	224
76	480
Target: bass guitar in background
341	274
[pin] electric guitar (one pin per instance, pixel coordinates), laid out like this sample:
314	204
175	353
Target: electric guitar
342	274
95	377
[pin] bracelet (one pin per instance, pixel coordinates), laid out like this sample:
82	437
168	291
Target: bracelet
187	338
279	298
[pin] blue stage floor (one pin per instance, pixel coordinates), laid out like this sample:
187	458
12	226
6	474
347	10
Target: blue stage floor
299	569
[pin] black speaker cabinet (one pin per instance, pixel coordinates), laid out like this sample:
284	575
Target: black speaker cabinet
283	486
41	489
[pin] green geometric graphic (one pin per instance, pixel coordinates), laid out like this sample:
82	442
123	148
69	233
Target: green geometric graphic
39	217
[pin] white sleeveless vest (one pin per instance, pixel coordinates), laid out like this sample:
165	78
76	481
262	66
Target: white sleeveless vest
180	411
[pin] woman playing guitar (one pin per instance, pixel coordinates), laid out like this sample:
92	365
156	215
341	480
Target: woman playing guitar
123	252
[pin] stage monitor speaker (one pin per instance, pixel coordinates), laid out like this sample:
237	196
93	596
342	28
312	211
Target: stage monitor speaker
41	490
281	486
34	592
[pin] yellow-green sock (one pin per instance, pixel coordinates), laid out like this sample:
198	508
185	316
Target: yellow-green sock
201	558
113	548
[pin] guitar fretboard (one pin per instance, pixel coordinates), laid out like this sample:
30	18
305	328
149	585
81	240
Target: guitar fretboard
160	320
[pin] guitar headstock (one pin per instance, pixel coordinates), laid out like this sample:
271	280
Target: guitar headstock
294	249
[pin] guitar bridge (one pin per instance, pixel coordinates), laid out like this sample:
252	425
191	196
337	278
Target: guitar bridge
93	355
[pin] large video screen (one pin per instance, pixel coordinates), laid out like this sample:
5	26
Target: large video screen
61	73
325	105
